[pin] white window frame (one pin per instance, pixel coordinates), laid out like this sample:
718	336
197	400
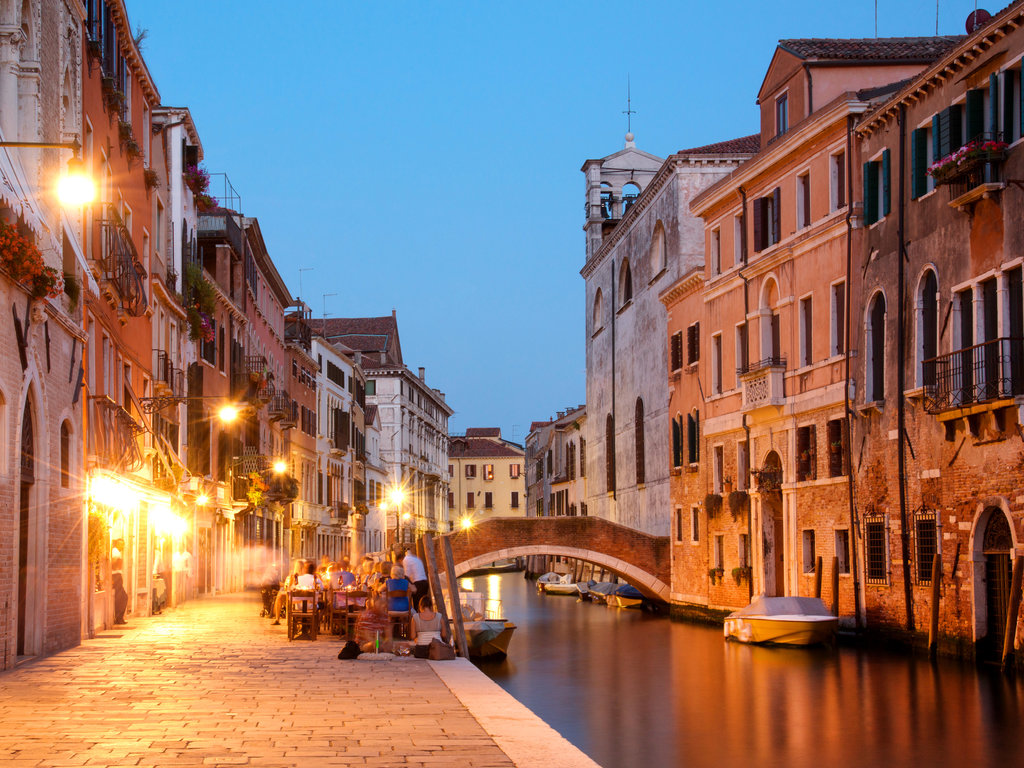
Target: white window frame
803	190
715	251
717	370
837	328
833	179
806	334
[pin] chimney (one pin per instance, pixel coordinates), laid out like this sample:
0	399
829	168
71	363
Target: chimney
359	359
423	373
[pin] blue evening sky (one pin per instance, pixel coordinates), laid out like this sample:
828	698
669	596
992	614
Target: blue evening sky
425	156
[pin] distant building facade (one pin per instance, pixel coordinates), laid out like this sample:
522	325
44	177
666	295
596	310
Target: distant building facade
486	477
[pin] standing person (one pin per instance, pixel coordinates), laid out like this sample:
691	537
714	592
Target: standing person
117	577
416	573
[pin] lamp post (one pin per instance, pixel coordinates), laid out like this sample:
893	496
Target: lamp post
75	187
397	496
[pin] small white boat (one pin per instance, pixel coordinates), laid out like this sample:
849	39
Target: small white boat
563	586
782	621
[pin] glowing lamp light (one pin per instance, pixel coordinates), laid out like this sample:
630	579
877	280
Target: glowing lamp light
466	523
111	493
202	500
166	522
280	467
397	496
76	187
228	414
406	517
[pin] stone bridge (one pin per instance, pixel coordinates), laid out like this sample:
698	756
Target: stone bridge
636	557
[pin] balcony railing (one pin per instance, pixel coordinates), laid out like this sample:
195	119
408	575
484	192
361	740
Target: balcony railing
280	406
121	265
166	377
763	384
974	169
992	370
113	437
339	512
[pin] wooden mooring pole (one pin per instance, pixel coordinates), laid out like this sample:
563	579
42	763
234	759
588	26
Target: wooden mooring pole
453	591
1011	616
933	627
430	559
835	586
817	578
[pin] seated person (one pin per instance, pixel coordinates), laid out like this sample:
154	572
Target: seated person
426	626
373	629
309	579
398	583
365	572
282	595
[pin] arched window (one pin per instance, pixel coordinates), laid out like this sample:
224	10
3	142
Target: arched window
771	341
609	453
625	283
630	192
876	348
927	328
659	256
65	455
598	315
677	441
638	436
693	437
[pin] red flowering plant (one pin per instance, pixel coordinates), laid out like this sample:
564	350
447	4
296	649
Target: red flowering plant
964	158
21	259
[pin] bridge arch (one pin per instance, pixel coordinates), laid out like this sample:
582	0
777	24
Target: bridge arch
638	558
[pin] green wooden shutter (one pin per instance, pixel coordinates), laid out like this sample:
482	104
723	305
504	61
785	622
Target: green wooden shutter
918	163
936	129
975	115
993	103
1020	96
886	183
1009	92
870	193
759	217
776	215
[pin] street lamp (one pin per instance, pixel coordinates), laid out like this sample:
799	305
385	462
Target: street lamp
75	187
396	496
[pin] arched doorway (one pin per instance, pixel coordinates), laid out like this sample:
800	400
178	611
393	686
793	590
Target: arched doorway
28	477
769	486
996	550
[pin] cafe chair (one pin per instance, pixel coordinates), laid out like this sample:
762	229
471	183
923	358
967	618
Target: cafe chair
401	621
303	614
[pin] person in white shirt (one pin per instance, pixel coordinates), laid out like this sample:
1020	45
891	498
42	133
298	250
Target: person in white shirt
416	573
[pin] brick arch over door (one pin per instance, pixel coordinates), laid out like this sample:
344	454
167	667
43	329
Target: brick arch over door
637	557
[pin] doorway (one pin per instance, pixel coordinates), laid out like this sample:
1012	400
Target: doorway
996	548
28	477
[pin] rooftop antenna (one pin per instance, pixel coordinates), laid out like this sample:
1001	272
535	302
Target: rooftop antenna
325	303
876	18
629	111
301	270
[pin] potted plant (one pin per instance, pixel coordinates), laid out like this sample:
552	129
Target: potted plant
741	573
152	178
738	501
257	487
947	168
713	504
716	574
21	259
201	303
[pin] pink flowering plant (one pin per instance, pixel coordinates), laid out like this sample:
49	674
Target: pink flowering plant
21	259
197	179
965	157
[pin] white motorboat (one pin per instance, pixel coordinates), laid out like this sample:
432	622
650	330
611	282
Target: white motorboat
782	621
563	586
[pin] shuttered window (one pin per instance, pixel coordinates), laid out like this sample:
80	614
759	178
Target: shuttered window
886	185
676	350
767	220
693	344
948	135
918	163
870	193
975	113
1009	104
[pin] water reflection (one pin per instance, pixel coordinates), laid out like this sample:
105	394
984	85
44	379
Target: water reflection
632	689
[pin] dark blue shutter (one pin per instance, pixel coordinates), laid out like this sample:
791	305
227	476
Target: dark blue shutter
993	102
759	217
936	130
1009	92
776	215
918	163
886	185
975	104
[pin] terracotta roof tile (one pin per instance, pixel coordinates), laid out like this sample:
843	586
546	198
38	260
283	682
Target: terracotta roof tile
483	432
479	448
745	145
922	49
363	334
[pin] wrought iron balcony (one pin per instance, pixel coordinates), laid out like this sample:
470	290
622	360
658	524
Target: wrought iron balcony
121	265
992	370
113	436
280	406
763	384
973	171
167	379
339	512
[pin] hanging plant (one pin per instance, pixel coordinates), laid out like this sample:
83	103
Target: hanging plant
201	303
713	504
738	503
21	259
257	487
152	179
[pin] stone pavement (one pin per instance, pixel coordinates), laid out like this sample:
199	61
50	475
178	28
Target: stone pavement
212	684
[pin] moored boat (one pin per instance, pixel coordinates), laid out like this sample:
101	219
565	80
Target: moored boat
598	591
489	637
563	586
625	596
782	621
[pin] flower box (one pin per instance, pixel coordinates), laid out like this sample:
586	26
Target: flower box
969	157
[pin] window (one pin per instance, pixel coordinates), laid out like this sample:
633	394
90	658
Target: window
693	344
570	459
609	454
743	550
767	220
694	525
737	239
514	471
837	180
836	429
488	500
515	500
597	320
451	499
803	200
806	332
718	468
677	441
843	550
679	525
638	436
921	151
692	437
838	301
742	466
470	500
716	364
715	252
782	114
742	359
925	545
583	457
877	197
676	351
806	453
470	471
875	560
625	284
927	328
659	258
808	551
488	471
451	470
371	387
65	455
550	464
876	349
947	131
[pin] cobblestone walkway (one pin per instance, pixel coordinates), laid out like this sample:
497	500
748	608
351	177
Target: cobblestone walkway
211	684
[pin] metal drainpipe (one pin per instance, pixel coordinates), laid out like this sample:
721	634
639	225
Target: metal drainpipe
746	356
901	415
614	473
854	529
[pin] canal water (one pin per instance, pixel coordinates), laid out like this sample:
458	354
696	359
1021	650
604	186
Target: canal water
632	689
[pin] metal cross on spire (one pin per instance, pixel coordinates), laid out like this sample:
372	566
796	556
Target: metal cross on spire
629	111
